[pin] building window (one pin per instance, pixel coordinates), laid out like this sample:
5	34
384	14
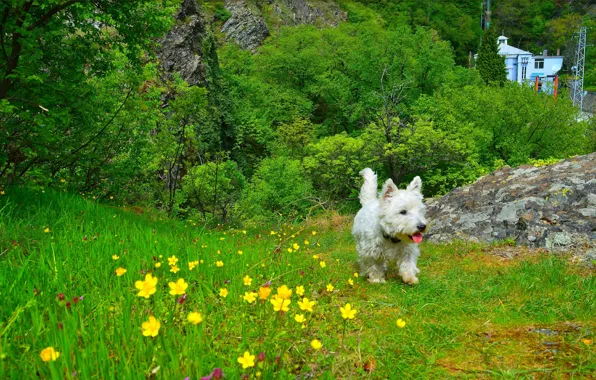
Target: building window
539	63
523	77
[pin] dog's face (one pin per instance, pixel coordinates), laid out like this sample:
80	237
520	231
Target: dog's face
402	211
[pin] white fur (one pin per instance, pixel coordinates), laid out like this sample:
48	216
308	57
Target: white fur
380	215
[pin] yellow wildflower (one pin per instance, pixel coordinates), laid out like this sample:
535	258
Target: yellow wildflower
322	264
350	281
280	304
306	242
247	280
355	274
296	246
306	305
264	292
178	288
120	271
195	318
315	343
115	257
316	257
172	260
290	250
49	354
174	269
147	287
347	312
300	290
314	233
219	264
250	297
47	230
401	323
223	292
151	327
299	318
247	360
330	287
284	292
157	265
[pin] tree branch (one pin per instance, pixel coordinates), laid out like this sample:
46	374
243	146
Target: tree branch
50	13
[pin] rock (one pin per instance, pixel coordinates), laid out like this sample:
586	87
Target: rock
552	207
182	48
248	27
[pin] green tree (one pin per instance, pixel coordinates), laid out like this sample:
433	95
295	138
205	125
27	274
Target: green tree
490	64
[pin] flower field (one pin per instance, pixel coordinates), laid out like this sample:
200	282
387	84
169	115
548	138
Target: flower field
97	291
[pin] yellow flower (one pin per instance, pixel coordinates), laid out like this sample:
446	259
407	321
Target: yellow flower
347	312
174	269
244	232
223	292
172	260
115	257
350	281
280	304
49	354
272	233
315	343
247	360
290	250
316	257
151	327
587	342
239	252
355	274
120	271
300	290
195	318
299	318
306	242
157	265
296	246
264	292
330	287
147	287
247	280
192	265
401	323
284	292
314	233
2	192
306	305
250	297
46	231
219	264
322	264
178	288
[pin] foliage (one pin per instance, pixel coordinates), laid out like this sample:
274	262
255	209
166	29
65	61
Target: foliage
279	189
212	189
490	64
334	162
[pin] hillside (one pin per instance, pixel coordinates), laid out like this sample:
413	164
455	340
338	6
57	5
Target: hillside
474	313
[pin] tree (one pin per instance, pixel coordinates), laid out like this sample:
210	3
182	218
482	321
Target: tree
490	64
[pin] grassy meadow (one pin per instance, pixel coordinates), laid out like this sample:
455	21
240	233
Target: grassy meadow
474	314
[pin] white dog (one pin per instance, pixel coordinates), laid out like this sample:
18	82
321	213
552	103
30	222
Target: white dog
389	229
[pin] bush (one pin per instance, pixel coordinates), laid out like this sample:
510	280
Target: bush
278	187
212	189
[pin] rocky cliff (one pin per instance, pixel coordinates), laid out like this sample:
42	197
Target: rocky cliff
252	20
552	206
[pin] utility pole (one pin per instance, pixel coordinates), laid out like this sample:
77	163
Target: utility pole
485	15
577	84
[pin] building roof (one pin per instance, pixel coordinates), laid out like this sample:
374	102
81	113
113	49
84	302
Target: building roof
505	49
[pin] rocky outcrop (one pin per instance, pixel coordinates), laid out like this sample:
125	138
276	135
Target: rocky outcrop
552	206
247	24
182	49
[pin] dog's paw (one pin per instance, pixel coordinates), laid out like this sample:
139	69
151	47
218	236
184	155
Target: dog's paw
410	279
376	280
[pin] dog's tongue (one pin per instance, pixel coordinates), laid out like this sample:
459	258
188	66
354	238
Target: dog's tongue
417	237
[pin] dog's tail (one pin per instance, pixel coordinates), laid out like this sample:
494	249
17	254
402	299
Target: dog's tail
368	192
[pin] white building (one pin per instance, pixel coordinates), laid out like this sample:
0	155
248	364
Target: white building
522	66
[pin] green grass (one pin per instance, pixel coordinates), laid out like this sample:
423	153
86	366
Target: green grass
473	314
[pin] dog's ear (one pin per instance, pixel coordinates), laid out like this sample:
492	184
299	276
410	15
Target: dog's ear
389	190
415	185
